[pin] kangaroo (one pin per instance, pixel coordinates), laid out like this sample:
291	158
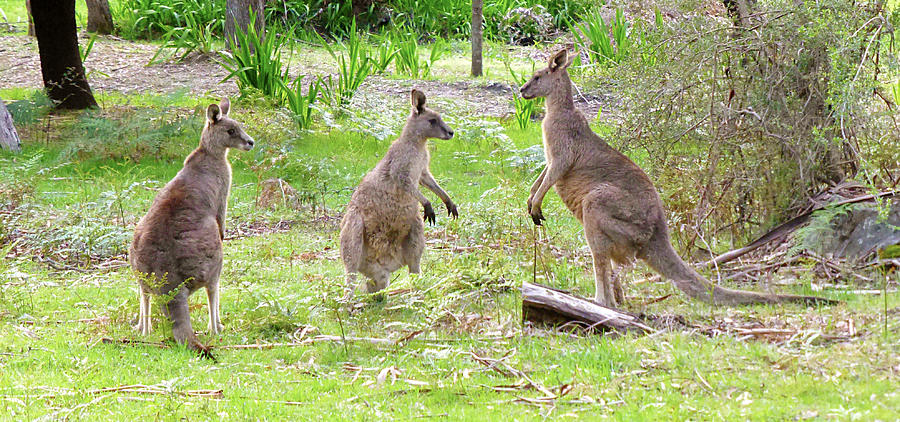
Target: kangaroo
381	230
177	246
614	200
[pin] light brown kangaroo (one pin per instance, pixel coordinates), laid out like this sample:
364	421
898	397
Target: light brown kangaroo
613	198
177	246
382	229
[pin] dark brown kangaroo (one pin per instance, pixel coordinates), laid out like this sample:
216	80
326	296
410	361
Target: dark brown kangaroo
177	247
615	201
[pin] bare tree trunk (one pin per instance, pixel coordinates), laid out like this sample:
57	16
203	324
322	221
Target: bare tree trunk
61	67
99	17
30	21
477	18
237	15
9	138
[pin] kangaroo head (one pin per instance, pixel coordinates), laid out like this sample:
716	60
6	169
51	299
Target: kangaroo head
222	131
424	123
550	79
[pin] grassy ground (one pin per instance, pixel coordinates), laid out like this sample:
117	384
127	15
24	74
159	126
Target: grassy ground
450	342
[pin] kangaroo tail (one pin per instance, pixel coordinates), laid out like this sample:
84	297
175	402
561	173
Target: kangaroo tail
662	257
180	315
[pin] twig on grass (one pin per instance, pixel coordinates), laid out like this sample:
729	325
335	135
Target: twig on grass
508	371
311	340
130	342
134	388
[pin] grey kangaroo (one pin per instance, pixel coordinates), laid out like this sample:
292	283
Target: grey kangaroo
382	229
177	246
613	198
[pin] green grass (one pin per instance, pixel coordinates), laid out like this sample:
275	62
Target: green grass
464	302
15	13
275	283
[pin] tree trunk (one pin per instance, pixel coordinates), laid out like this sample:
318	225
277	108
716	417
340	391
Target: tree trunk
547	306
99	18
64	79
237	15
30	22
477	18
9	139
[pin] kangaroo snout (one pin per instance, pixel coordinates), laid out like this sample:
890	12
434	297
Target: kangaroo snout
449	133
523	94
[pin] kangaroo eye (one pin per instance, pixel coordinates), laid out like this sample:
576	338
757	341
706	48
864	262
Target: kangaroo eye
433	121
231	132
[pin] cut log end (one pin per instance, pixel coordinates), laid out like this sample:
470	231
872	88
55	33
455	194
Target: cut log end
549	307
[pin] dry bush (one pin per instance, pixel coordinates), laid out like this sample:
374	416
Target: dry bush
744	117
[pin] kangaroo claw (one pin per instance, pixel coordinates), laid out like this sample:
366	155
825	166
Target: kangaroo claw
429	214
451	210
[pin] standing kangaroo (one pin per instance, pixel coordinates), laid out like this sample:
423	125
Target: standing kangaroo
382	230
613	198
177	246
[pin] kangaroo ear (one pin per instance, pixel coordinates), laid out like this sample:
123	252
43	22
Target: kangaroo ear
213	113
225	105
559	61
417	98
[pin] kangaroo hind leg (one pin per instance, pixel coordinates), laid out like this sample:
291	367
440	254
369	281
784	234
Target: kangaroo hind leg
414	245
181	322
143	323
603	248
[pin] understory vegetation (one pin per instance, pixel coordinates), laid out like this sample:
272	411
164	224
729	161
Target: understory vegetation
740	126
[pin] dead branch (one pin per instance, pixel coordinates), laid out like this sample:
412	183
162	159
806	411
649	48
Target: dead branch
544	305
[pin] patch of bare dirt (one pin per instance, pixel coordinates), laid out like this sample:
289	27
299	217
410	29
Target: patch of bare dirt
116	65
121	66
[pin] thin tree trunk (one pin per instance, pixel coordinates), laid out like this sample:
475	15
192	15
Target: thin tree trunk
61	67
9	138
237	15
99	17
477	18
30	21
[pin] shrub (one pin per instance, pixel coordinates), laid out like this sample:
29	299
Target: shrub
17	181
152	18
125	133
353	68
27	112
194	36
385	53
300	104
256	62
743	126
592	38
408	61
527	25
330	18
524	109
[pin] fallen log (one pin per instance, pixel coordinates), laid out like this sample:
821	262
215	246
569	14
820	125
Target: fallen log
9	138
546	306
788	227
